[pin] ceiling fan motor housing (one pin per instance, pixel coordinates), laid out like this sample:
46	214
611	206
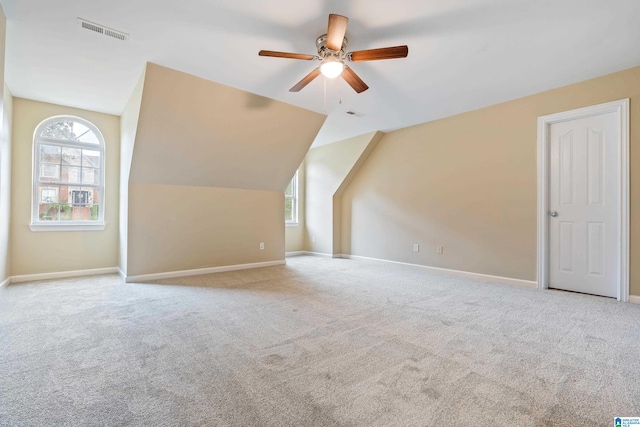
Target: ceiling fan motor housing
324	51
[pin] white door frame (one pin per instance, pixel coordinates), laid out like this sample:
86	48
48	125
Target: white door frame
621	108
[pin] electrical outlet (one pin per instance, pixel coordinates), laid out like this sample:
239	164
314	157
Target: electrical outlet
313	239
440	250
416	247
261	246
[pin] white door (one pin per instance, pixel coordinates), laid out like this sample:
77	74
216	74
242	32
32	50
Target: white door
583	201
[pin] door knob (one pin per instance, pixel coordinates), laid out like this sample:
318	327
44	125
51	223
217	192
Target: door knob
553	213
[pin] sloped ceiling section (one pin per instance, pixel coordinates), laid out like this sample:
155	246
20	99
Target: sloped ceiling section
196	132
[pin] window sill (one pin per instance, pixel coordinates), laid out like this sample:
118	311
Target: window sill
67	227
291	224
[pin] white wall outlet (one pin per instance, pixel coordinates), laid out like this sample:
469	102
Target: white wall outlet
261	246
416	247
313	239
440	250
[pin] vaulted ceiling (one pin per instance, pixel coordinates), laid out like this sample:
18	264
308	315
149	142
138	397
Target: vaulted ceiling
463	54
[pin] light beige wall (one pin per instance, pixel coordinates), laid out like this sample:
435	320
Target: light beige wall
209	167
173	227
337	196
5	184
468	183
200	133
128	130
6	104
294	234
54	251
327	167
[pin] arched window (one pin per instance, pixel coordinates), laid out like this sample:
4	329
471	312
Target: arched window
68	175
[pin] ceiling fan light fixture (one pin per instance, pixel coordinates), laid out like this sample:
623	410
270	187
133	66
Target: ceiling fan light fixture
331	67
332	53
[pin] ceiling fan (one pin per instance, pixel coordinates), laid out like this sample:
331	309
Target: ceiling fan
332	52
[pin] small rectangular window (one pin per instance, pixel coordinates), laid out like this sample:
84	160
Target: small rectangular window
50	171
291	201
49	195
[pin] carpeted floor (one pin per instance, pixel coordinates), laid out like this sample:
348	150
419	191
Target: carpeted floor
318	342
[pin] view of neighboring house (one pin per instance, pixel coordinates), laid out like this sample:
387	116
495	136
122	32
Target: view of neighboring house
69	176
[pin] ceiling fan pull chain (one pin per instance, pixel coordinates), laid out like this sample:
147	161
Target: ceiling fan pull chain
325	95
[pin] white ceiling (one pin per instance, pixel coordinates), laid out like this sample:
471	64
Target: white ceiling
463	54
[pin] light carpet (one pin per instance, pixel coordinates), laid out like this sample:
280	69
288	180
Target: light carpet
318	342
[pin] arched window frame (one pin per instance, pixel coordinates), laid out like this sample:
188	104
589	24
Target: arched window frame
89	225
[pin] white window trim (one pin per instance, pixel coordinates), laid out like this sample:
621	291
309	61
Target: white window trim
294	202
36	224
68	226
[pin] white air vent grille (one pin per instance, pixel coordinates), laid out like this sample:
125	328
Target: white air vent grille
101	29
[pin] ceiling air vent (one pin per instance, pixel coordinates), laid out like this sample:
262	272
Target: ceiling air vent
101	29
355	113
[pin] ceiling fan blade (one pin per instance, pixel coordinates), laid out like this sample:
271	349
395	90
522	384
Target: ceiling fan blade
353	80
305	80
382	53
286	55
335	31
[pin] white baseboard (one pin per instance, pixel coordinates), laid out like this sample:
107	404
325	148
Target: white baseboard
498	279
296	253
121	274
634	299
6	282
320	254
62	274
199	271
